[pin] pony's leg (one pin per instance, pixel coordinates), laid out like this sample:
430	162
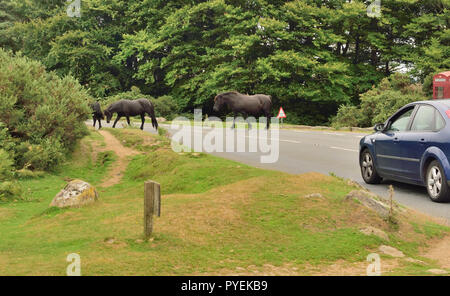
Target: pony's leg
268	121
234	121
99	124
128	120
115	121
143	120
95	119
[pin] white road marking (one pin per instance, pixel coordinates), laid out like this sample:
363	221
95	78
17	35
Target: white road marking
346	149
292	141
334	134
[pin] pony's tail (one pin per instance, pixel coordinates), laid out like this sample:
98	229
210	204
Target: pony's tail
154	121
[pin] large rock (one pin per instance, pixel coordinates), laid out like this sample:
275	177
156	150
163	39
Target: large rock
437	271
369	230
369	200
391	251
77	193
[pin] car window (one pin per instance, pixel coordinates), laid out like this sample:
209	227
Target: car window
440	123
401	123
424	119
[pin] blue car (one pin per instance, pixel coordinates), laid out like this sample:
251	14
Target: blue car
412	146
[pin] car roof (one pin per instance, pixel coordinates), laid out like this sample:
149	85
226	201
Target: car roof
438	103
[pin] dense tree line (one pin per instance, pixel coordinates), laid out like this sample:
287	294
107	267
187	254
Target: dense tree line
311	56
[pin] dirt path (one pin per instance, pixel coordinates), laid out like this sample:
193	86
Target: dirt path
440	252
122	153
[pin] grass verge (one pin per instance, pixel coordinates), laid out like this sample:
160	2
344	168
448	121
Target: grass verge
219	217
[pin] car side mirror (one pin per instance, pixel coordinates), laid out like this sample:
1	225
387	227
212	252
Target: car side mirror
379	127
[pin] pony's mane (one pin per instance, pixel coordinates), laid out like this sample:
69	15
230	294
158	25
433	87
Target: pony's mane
226	93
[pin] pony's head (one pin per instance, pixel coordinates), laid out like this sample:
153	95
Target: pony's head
108	115
218	102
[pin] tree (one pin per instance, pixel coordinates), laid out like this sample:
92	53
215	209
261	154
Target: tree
310	55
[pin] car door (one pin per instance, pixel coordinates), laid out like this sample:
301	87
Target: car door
425	125
387	149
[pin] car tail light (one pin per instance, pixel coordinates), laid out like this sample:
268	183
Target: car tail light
448	113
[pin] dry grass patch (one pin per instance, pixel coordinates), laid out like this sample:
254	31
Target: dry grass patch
439	252
206	215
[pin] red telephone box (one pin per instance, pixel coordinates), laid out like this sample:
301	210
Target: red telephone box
441	86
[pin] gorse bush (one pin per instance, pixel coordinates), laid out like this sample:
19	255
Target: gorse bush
8	187
166	107
380	102
41	115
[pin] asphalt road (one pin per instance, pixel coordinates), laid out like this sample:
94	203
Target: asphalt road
302	151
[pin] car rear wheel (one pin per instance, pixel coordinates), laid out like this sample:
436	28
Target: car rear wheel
368	170
436	182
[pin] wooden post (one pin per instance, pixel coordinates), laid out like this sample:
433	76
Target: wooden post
152	205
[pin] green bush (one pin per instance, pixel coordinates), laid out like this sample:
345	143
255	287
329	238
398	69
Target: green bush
379	103
166	107
42	116
8	187
6	166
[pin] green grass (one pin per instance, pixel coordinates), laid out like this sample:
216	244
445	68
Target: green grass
190	173
217	215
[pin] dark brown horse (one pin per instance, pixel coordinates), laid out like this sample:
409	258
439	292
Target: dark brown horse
97	114
256	105
129	108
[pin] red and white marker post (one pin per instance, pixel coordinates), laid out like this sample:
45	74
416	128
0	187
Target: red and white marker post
281	115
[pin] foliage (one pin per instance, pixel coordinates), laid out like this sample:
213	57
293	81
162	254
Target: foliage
166	107
42	115
311	56
8	187
380	102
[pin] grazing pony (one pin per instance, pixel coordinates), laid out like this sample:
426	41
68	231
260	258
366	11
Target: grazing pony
97	114
129	108
255	105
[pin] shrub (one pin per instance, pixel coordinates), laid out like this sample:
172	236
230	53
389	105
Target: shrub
380	102
42	115
6	166
8	187
166	107
347	115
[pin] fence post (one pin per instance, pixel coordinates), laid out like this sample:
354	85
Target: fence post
152	205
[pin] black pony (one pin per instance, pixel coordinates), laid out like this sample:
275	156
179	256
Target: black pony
256	105
129	108
97	114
